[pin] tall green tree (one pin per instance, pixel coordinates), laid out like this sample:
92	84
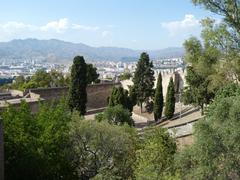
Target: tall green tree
119	96
78	86
92	75
170	100
201	68
143	80
158	99
215	61
132	95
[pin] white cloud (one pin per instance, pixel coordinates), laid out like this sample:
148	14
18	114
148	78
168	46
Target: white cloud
188	25
58	26
106	34
13	26
53	29
86	28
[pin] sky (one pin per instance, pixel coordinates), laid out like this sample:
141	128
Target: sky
135	24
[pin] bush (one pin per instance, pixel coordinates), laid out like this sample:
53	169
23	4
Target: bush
155	159
116	115
102	151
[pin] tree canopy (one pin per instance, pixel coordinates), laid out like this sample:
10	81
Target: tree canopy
102	151
214	62
117	115
155	158
158	99
170	100
35	144
214	155
230	10
143	79
92	75
78	86
119	96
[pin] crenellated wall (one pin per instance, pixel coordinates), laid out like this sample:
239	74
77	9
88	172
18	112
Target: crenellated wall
177	75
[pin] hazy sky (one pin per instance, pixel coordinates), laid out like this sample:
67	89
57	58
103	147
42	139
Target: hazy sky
137	24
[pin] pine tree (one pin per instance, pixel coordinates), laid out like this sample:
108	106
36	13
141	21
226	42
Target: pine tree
78	85
158	100
143	79
170	100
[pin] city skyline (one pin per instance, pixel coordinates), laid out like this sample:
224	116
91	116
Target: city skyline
135	24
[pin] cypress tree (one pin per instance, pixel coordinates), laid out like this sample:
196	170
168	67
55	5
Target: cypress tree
170	100
77	91
158	100
143	79
119	96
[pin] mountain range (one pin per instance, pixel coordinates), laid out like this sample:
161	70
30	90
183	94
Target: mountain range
54	50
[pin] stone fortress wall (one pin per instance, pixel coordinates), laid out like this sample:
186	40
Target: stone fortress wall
178	76
97	96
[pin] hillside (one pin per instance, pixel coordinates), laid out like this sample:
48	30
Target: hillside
60	51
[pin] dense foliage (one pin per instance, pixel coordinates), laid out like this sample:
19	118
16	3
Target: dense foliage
170	100
41	79
92	75
215	153
117	115
57	144
35	144
200	72
155	159
143	80
158	99
78	86
215	61
102	151
119	96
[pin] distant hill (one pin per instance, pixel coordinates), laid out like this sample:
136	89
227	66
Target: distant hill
60	51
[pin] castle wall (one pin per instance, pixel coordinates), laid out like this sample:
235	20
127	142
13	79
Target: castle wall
178	77
97	94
